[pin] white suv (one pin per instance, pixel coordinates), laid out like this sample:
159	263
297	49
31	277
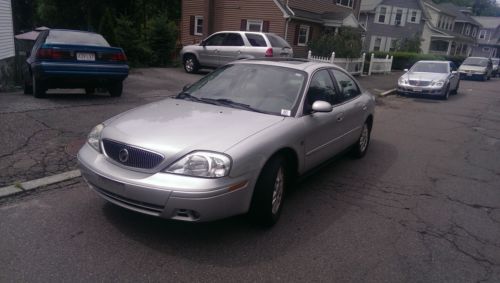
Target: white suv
223	47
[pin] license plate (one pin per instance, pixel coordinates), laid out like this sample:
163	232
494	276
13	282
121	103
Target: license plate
85	56
417	89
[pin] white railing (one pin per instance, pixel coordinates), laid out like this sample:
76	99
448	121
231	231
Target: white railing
355	66
380	65
352	65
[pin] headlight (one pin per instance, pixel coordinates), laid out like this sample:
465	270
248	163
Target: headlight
94	138
437	83
202	164
402	81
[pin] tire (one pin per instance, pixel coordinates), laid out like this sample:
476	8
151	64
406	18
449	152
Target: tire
267	200
455	91
116	89
484	78
446	94
361	146
28	89
191	64
89	90
37	88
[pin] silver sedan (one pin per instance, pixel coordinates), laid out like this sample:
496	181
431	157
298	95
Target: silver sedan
231	143
433	78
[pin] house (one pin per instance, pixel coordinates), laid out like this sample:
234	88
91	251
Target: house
488	38
388	21
297	21
444	29
7	49
450	30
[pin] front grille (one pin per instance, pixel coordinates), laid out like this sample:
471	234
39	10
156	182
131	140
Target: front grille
419	83
136	157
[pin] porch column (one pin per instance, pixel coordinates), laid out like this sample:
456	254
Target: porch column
449	48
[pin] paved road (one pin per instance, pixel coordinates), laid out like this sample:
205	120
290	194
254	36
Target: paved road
422	206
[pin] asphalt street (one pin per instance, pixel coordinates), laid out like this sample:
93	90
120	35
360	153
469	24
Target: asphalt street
422	206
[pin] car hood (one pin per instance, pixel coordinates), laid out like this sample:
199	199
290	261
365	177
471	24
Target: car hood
175	127
418	76
471	68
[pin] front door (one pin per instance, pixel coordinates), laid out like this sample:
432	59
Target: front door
231	49
209	56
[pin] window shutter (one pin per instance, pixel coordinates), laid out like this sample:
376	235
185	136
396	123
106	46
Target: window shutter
296	37
265	26
419	15
191	25
243	25
403	17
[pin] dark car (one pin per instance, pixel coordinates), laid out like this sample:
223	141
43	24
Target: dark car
74	59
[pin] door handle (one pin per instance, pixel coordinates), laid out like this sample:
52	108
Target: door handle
364	107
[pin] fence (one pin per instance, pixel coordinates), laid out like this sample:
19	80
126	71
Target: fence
380	65
352	65
355	66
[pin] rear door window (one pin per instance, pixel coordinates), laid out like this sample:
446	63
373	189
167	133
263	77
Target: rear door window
233	39
256	40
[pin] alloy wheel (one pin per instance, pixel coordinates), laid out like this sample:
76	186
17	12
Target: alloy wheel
278	190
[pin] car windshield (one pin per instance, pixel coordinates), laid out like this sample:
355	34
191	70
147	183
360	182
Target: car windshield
429	67
483	62
261	88
76	38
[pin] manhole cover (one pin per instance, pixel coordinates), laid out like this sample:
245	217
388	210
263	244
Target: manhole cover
74	146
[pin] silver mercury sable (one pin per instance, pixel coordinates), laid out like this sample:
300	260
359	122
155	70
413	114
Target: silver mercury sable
231	143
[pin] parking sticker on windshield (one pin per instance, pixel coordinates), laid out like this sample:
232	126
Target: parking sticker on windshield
285	112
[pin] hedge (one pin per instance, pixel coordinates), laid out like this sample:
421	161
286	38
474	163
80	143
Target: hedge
404	60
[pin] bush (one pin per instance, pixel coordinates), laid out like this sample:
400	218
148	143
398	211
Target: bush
162	36
129	37
346	44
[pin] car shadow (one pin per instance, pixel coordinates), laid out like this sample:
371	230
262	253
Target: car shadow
78	96
316	204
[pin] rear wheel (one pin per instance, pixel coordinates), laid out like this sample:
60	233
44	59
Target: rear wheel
191	64
116	89
267	200
37	88
446	94
455	91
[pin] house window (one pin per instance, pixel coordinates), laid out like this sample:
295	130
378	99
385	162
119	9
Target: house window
198	25
399	16
377	44
254	25
346	3
413	17
303	35
467	29
482	34
382	15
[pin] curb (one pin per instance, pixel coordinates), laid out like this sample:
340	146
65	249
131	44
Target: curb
34	184
388	92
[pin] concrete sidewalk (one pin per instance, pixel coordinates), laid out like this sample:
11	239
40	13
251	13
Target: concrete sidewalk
380	83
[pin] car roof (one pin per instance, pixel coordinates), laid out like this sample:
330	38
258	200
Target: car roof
290	63
433	61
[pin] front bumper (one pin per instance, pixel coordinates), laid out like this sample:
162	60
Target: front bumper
470	75
421	90
165	195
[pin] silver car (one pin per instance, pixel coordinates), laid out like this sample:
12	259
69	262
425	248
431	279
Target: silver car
433	78
231	143
476	68
223	47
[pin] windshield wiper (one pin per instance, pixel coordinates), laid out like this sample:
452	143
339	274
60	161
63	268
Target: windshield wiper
185	95
234	104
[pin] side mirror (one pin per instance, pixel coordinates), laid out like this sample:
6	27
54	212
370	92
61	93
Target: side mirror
406	70
454	72
322	106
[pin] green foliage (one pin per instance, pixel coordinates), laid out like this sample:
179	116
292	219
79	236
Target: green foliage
129	37
409	44
346	44
162	35
404	60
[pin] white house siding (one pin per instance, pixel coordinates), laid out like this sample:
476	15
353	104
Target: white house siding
6	30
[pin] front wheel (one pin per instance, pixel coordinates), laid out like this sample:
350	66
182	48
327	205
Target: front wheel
191	64
361	146
446	93
267	200
455	91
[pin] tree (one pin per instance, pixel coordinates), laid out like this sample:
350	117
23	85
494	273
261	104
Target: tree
346	43
479	7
